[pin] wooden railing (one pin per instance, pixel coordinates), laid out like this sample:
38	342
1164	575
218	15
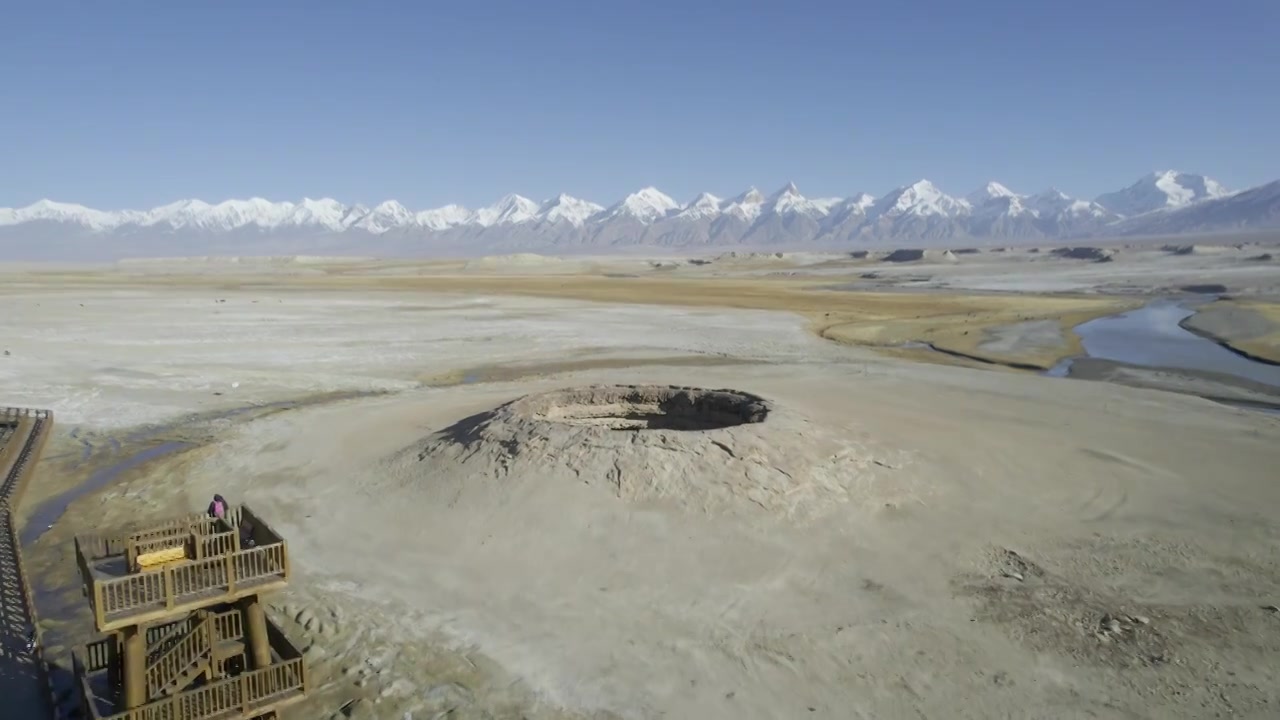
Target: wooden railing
245	695
12	413
223	543
96	546
99	655
162	637
179	658
14	478
252	692
228	626
114	600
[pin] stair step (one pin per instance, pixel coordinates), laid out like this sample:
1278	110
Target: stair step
185	678
228	649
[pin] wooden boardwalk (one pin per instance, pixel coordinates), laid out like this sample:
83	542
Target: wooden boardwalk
23	673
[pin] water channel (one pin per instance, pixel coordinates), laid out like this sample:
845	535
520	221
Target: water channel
1151	336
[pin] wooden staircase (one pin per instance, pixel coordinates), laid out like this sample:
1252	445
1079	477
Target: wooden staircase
192	649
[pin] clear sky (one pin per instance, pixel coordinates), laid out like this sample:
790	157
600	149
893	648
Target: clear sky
131	104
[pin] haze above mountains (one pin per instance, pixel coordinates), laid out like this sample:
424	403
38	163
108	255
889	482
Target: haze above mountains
1161	203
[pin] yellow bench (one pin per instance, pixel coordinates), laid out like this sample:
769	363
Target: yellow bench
157	559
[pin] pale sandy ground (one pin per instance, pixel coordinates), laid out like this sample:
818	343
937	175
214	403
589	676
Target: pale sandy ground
894	598
966	544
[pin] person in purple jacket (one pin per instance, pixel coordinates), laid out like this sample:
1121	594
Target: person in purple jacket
218	508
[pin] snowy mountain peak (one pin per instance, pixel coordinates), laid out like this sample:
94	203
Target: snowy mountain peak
510	210
746	206
59	212
861	201
921	198
1054	203
646	205
325	212
383	217
705	205
991	191
442	218
851	209
789	201
391	207
1050	193
788	189
565	208
1162	190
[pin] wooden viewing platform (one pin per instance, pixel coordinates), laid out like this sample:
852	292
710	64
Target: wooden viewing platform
187	637
152	573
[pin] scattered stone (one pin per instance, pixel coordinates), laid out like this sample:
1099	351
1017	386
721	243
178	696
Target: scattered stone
446	697
401	687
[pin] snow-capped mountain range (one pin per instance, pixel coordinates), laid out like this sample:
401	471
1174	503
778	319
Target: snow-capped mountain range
1160	203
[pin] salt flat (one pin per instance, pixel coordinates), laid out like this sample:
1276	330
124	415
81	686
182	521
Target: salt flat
124	357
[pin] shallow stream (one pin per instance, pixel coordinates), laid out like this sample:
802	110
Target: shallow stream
1151	336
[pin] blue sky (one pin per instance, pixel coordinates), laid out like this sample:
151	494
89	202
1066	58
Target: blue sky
134	104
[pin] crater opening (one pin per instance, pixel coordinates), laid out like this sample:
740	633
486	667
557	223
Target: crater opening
645	407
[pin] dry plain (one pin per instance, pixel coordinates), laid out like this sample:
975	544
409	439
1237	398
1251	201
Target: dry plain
916	529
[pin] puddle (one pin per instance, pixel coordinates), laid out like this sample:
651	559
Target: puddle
51	510
1150	336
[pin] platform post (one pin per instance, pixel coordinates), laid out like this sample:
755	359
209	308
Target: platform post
255	618
135	666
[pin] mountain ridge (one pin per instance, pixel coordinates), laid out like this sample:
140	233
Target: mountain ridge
1164	202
